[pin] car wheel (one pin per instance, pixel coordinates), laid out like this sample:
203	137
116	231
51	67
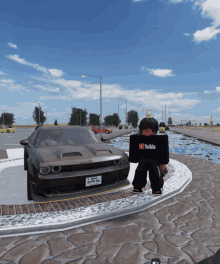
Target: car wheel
8	131
29	196
106	132
25	160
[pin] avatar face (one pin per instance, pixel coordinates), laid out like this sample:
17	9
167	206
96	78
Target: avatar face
147	132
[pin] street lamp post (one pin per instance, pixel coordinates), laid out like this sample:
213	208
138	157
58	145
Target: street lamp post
100	97
39	113
28	119
126	109
118	114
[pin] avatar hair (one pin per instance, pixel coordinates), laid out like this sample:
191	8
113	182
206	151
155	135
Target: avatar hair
162	124
148	123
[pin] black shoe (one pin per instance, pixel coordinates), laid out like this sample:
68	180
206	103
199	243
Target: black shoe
159	192
136	190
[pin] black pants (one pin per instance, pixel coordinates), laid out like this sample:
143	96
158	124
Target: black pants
140	178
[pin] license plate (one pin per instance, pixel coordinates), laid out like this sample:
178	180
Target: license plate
93	181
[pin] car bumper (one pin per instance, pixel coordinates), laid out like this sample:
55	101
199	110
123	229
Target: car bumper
77	180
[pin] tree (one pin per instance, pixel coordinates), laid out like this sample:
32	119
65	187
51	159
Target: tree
132	118
8	119
112	120
55	122
78	116
36	116
94	119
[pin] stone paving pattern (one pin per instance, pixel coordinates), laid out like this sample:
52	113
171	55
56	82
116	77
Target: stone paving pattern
184	229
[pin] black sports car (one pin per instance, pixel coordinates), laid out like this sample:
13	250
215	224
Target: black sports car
67	159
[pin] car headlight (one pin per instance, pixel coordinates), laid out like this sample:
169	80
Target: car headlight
56	169
124	160
44	170
121	161
117	162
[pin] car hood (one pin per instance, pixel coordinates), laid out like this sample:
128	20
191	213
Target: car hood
74	154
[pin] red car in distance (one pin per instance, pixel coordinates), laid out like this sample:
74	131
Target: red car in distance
97	129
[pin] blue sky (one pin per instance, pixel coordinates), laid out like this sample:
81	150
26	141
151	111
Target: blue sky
151	53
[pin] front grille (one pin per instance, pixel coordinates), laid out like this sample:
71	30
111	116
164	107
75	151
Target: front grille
81	167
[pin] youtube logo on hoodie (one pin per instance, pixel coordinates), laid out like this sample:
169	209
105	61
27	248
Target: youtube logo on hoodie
145	146
141	146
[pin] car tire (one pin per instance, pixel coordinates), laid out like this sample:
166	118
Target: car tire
106	132
25	160
8	131
29	196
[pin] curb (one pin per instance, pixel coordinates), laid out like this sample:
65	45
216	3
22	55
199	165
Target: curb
35	223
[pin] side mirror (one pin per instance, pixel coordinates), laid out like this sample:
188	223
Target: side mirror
25	142
103	139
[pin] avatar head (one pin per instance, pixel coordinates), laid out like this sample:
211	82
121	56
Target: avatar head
162	124
148	123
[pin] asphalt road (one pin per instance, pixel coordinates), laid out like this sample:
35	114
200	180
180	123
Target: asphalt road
12	140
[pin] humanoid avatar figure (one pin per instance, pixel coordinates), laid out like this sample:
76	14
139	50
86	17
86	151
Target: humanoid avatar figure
147	127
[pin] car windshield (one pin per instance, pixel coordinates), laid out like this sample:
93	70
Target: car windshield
59	137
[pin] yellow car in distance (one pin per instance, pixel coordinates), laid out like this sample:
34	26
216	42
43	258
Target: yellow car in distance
6	129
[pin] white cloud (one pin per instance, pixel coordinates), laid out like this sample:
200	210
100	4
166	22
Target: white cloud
22	61
11	45
46	88
2	73
207	92
11	85
55	72
186	34
6	80
52	72
217	89
205	34
176	1
55	90
67	83
161	72
210	9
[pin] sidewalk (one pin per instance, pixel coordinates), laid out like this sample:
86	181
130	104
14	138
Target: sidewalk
202	134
